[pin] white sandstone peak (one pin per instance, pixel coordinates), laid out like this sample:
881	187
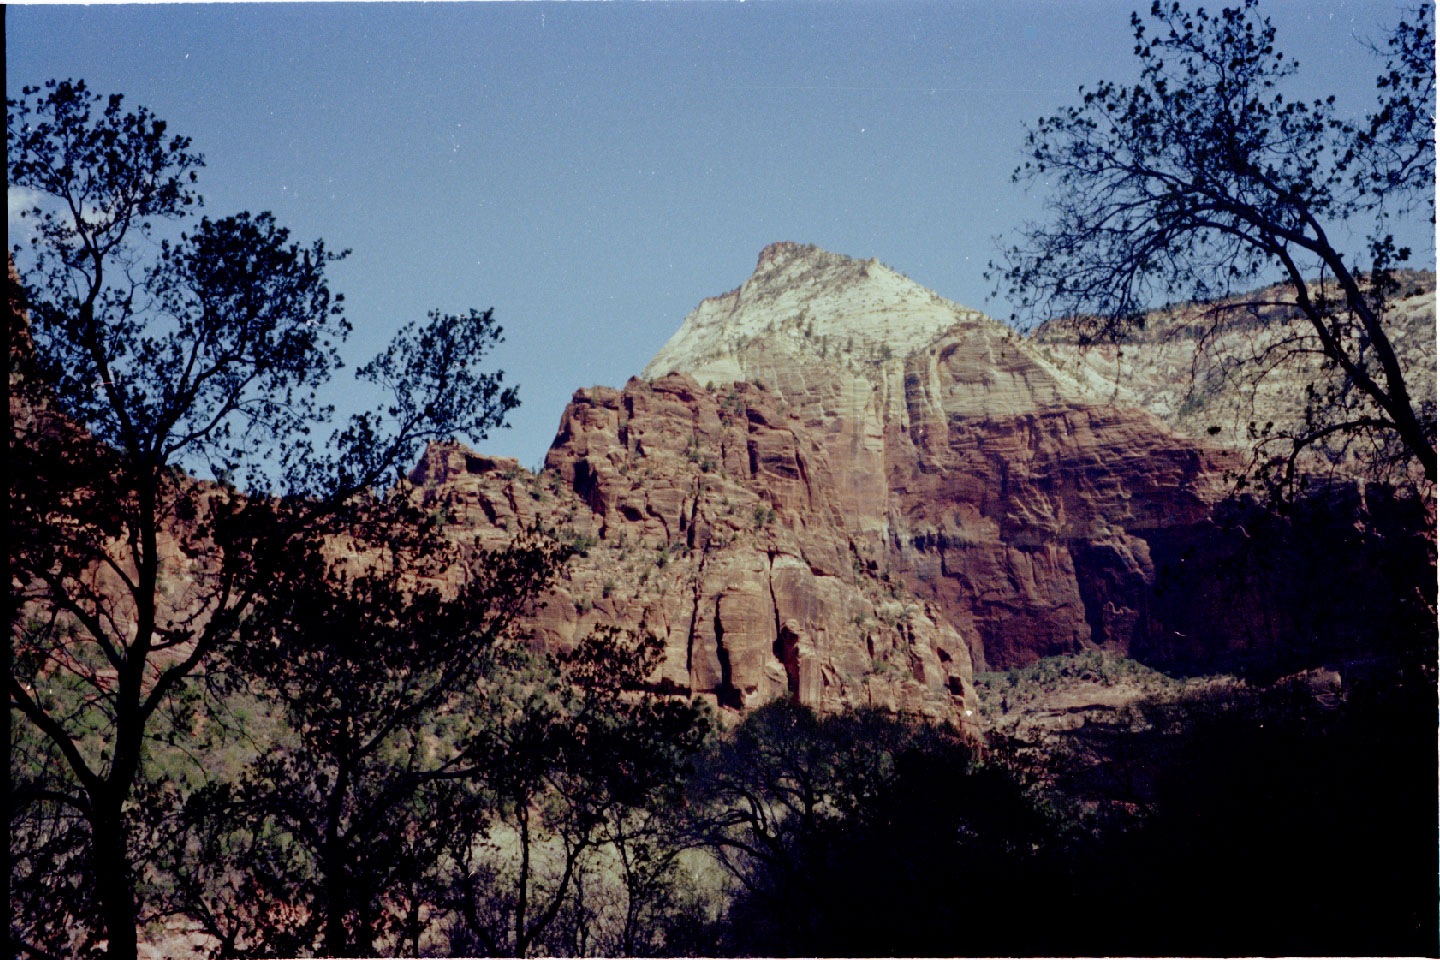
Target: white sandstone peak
802	300
804	307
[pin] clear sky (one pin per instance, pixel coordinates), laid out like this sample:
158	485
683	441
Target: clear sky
592	171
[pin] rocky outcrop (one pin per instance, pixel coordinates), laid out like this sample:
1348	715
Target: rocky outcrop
715	521
1247	365
1031	492
996	484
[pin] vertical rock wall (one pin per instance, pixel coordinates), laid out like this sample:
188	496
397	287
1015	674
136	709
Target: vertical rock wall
715	521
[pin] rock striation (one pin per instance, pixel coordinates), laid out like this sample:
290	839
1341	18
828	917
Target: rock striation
996	483
835	485
1223	374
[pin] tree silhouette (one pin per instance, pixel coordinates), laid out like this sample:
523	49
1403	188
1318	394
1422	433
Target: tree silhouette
371	673
153	354
1203	179
571	752
868	835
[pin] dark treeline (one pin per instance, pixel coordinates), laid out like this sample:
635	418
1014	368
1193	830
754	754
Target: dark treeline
1267	821
578	819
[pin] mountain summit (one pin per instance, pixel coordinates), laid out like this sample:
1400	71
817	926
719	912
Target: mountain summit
805	301
807	316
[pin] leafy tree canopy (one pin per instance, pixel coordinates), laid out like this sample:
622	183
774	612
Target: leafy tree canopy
165	341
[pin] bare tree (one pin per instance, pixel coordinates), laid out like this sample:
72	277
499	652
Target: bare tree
1202	180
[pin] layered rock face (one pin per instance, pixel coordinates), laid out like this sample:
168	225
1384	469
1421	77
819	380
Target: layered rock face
1223	374
709	519
834	483
998	484
714	520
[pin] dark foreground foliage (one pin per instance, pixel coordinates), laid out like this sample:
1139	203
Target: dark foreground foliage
1264	821
149	344
1272	821
865	835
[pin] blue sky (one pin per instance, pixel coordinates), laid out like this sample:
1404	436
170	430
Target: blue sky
592	171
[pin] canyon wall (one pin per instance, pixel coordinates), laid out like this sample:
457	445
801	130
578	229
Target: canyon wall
715	521
834	483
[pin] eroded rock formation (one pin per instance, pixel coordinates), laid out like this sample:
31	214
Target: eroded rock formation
995	483
715	520
835	483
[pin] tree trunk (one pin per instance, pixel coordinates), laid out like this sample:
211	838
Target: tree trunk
334	866
114	885
336	941
522	944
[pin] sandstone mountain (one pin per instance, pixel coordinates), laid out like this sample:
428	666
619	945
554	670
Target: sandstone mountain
834	484
712	520
989	478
